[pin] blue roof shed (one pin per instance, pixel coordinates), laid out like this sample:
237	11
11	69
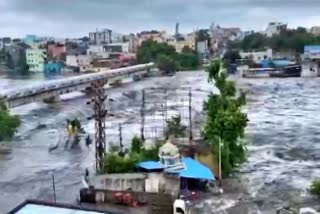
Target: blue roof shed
193	169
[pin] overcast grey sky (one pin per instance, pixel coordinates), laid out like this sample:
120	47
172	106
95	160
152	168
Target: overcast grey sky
75	18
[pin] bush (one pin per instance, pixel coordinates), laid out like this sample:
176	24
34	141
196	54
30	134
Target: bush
8	123
115	163
175	127
315	187
166	63
136	144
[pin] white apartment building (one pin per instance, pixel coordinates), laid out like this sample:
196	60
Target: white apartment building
117	47
95	49
100	37
257	56
84	62
36	59
274	28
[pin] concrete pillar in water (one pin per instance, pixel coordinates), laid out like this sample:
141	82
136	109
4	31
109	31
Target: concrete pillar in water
52	99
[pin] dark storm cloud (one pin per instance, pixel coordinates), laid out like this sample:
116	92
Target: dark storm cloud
76	17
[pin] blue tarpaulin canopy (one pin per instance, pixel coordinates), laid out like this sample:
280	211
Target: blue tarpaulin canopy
193	169
151	165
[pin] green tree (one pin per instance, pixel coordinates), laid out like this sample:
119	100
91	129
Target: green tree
136	144
166	63
315	187
187	61
149	51
187	49
225	121
287	40
175	128
8	123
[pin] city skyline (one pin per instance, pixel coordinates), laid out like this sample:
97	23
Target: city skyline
75	18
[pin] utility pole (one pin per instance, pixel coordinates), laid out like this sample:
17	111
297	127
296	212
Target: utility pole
120	138
190	116
54	189
142	111
220	168
99	116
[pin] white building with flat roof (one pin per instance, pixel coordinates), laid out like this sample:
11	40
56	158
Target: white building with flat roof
275	28
36	59
84	62
257	56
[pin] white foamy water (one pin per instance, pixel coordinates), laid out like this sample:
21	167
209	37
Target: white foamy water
283	158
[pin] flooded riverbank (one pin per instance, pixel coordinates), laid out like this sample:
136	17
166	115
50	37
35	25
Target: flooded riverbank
26	171
283	152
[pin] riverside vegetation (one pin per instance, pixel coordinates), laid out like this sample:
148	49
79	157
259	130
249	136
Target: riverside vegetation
8	123
118	161
225	121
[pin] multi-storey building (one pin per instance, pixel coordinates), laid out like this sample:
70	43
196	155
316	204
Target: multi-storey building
117	47
152	35
57	52
83	62
36	59
315	30
100	37
275	28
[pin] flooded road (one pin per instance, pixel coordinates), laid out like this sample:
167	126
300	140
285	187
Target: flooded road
283	132
26	172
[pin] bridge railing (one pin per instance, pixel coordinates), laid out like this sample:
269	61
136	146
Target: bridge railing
82	79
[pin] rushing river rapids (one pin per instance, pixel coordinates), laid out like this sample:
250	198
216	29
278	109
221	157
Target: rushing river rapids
283	154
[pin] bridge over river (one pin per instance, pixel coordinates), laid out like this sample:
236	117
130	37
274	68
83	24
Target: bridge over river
53	89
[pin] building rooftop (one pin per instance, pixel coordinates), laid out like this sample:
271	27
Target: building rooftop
192	169
37	207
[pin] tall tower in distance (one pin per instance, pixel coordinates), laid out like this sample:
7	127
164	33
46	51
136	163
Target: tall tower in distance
177	29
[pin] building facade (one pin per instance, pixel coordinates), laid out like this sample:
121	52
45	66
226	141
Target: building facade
100	37
202	47
57	52
152	35
117	47
315	30
95	49
5	42
36	59
257	56
83	62
274	28
53	67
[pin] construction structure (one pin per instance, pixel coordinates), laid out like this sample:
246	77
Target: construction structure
100	113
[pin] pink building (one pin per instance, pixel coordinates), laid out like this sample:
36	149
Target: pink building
57	51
